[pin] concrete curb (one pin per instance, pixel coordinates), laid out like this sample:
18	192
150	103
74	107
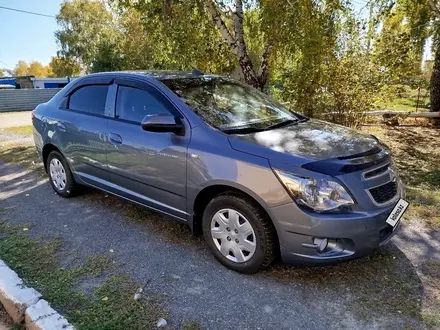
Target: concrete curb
24	304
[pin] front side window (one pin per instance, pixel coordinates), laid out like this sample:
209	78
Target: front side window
90	99
229	105
134	104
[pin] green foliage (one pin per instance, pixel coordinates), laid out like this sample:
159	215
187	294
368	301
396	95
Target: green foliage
321	56
86	28
331	75
181	38
64	67
394	49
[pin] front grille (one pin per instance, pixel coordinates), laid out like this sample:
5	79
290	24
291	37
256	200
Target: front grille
376	172
384	193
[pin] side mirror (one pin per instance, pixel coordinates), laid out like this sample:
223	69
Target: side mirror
163	123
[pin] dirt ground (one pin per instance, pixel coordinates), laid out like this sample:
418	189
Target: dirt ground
5	321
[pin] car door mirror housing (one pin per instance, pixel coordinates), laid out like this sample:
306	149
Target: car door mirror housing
163	123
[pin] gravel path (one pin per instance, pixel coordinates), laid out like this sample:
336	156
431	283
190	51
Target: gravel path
154	249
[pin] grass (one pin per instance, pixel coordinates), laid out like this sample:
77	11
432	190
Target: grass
374	284
22	130
416	155
112	304
425	206
403	103
22	155
408	100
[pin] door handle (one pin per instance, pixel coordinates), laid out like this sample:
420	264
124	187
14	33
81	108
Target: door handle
115	138
61	126
102	136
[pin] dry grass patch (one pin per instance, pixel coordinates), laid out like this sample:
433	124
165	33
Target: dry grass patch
21	130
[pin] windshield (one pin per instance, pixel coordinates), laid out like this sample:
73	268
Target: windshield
229	105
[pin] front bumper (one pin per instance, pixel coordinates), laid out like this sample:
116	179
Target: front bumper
350	235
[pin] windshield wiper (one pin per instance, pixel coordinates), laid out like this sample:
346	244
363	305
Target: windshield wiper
242	130
252	129
282	124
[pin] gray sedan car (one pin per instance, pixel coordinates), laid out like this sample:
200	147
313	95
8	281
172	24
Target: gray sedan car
258	180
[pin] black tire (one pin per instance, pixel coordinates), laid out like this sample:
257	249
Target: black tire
265	234
70	187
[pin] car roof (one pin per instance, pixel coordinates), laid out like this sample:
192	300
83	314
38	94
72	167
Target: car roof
158	74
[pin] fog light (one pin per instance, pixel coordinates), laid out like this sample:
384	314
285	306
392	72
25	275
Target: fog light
321	243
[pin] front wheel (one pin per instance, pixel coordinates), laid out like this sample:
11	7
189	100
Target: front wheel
60	176
239	233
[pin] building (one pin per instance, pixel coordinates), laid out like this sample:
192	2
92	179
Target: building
31	82
50	82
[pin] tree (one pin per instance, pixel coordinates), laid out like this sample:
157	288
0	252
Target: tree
85	27
313	50
395	49
21	69
435	77
64	67
223	22
37	69
421	19
234	38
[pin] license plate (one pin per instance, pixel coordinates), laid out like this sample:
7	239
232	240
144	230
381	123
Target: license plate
395	215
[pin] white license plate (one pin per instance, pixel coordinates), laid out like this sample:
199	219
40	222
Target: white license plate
395	215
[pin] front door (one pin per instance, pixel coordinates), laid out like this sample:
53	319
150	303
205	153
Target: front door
80	129
148	167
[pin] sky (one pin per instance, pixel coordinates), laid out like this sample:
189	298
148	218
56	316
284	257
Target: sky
27	37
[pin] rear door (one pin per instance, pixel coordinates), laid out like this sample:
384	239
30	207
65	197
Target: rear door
80	128
148	167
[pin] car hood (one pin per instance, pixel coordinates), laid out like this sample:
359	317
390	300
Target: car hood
307	141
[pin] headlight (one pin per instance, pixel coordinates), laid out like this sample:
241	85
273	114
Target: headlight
318	194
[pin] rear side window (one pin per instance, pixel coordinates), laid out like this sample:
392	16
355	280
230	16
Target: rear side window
90	99
134	104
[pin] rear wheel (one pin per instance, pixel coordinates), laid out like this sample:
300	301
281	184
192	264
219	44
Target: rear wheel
60	176
239	233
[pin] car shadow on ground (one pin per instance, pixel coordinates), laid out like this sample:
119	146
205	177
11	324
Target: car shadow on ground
384	284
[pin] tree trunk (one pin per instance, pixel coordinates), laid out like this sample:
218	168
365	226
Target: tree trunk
247	68
435	81
235	40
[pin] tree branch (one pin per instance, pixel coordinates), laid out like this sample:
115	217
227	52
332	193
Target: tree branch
235	39
215	13
238	23
264	66
434	8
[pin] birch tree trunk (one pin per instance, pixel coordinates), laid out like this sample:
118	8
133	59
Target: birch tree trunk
235	40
